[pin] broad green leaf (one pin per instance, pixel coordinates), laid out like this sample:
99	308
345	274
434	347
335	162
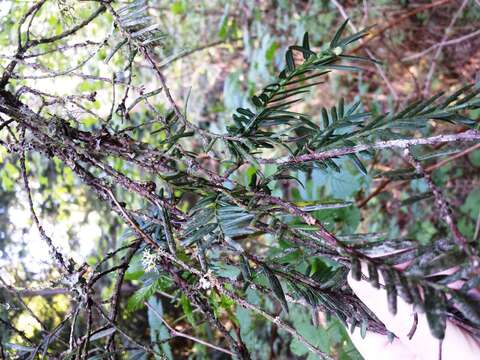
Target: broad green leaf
137	300
187	309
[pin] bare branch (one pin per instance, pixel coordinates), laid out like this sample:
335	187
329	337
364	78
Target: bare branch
468	136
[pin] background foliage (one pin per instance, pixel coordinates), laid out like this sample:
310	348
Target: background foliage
179	192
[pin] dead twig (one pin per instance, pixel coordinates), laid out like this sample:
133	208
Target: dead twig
433	61
174	332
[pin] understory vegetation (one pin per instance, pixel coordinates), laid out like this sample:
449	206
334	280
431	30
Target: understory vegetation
196	179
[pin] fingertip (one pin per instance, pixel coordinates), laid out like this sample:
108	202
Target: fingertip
374	345
376	300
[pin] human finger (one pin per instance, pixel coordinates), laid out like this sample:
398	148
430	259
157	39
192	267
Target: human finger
457	342
374	346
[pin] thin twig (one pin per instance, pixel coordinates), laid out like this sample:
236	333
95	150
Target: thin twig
180	334
46	40
274	319
469	135
399	20
433	61
197	49
443	206
57	254
115	298
123	333
382	74
429	169
445	43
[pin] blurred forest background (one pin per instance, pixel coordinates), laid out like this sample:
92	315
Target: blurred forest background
215	55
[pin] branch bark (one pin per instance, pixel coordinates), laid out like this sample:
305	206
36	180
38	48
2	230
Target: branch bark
467	136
